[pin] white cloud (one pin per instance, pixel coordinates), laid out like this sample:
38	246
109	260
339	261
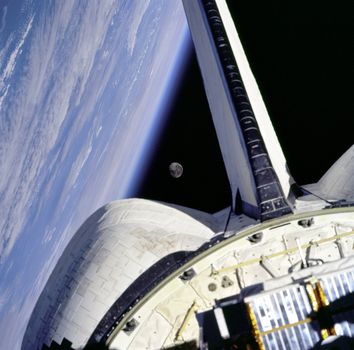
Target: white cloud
5	298
11	63
59	80
3	19
58	69
20	300
48	234
136	17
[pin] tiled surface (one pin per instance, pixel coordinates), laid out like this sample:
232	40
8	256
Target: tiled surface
112	248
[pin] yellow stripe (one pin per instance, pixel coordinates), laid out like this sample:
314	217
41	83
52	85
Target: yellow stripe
321	294
256	332
286	326
186	319
311	292
283	252
324	302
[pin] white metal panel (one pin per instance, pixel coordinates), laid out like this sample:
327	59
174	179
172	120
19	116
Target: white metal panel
223	113
337	286
276	311
228	131
338	182
265	125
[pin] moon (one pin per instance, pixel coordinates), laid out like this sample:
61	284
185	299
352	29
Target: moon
176	170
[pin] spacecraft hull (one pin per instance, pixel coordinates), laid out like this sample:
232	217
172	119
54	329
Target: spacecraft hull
141	274
256	167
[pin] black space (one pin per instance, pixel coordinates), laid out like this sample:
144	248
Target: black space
190	139
302	55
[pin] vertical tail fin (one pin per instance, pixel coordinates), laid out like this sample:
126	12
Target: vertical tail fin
254	160
338	182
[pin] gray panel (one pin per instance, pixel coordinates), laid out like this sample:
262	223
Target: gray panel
285	307
336	287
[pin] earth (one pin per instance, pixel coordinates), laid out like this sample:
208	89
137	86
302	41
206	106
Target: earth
84	90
